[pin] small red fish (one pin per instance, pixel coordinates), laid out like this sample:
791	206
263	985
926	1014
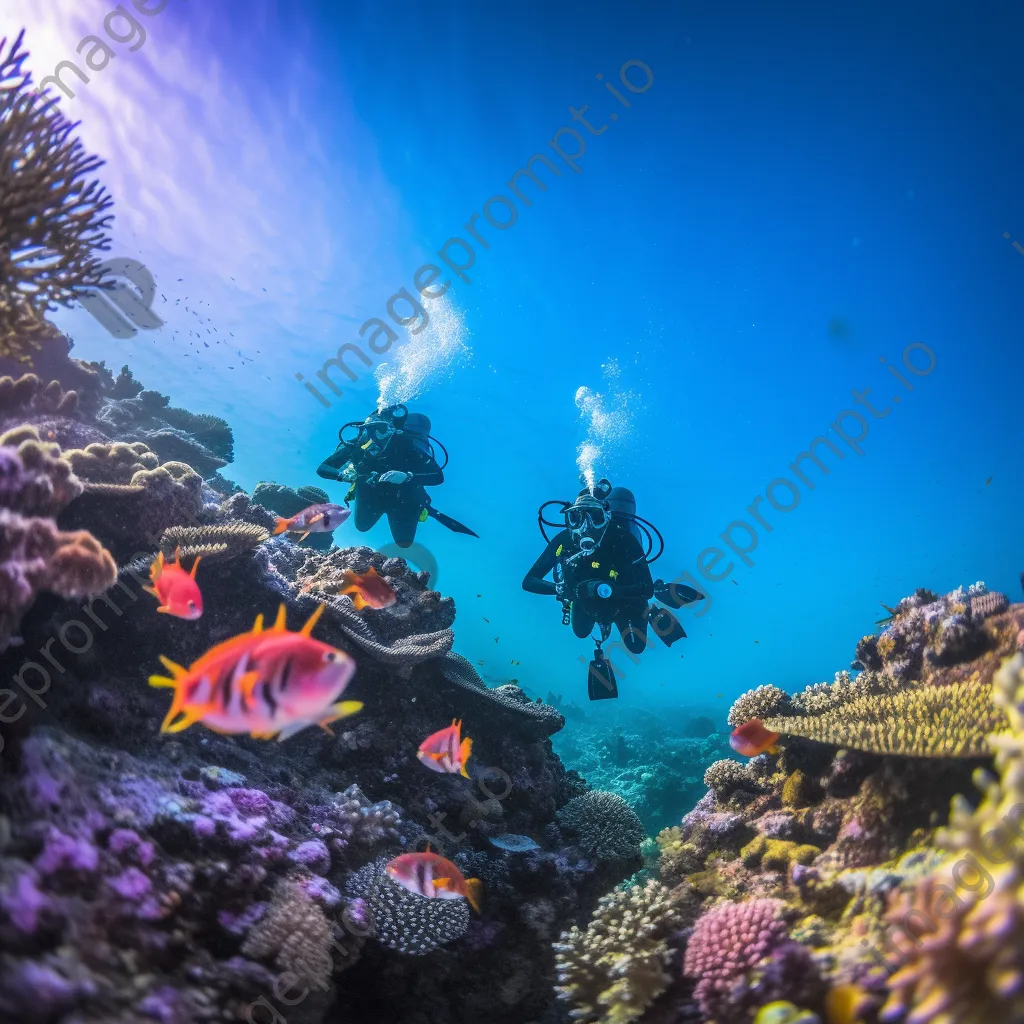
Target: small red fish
431	875
175	589
367	590
323	518
446	751
752	738
267	682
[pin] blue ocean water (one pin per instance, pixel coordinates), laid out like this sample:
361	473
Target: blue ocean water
794	193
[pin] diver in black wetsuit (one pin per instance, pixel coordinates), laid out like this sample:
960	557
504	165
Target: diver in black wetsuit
388	460
600	565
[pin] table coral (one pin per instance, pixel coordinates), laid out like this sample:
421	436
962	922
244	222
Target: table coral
615	968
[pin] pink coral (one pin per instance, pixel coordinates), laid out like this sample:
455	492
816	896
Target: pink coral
726	944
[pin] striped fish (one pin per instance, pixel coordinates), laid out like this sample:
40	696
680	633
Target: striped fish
433	876
446	750
267	682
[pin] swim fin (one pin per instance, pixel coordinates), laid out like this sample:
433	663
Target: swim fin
601	678
675	595
452	524
666	626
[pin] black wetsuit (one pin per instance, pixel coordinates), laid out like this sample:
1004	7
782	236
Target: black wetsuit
405	452
617	560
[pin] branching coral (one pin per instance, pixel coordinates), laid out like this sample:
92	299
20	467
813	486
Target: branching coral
53	219
927	721
612	971
221	540
726	776
606	825
295	933
962	930
405	921
761	702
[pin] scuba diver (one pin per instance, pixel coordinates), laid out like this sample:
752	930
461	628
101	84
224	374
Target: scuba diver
600	566
388	459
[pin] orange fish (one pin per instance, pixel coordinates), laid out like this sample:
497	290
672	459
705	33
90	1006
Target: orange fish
176	589
266	683
752	738
446	751
431	875
367	590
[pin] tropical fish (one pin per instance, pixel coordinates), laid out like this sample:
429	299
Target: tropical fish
752	738
431	875
446	751
268	682
315	519
845	1004
367	590
175	589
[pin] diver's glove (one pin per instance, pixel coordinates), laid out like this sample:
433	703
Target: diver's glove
394	476
328	472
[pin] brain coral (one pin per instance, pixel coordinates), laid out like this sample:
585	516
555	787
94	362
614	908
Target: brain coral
761	702
615	969
607	826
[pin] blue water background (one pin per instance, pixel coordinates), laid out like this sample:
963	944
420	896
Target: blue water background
804	189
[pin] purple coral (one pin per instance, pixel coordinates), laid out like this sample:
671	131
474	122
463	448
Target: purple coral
25	903
66	853
727	942
312	855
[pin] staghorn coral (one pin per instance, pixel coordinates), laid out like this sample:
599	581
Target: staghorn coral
926	721
612	971
54	220
762	702
294	933
405	921
962	929
608	828
219	540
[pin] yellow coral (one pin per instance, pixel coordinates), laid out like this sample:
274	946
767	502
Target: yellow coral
777	854
615	969
962	929
954	720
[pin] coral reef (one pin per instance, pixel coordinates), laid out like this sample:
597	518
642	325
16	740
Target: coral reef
656	763
34	554
961	929
287	502
615	968
218	540
54	220
607	826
